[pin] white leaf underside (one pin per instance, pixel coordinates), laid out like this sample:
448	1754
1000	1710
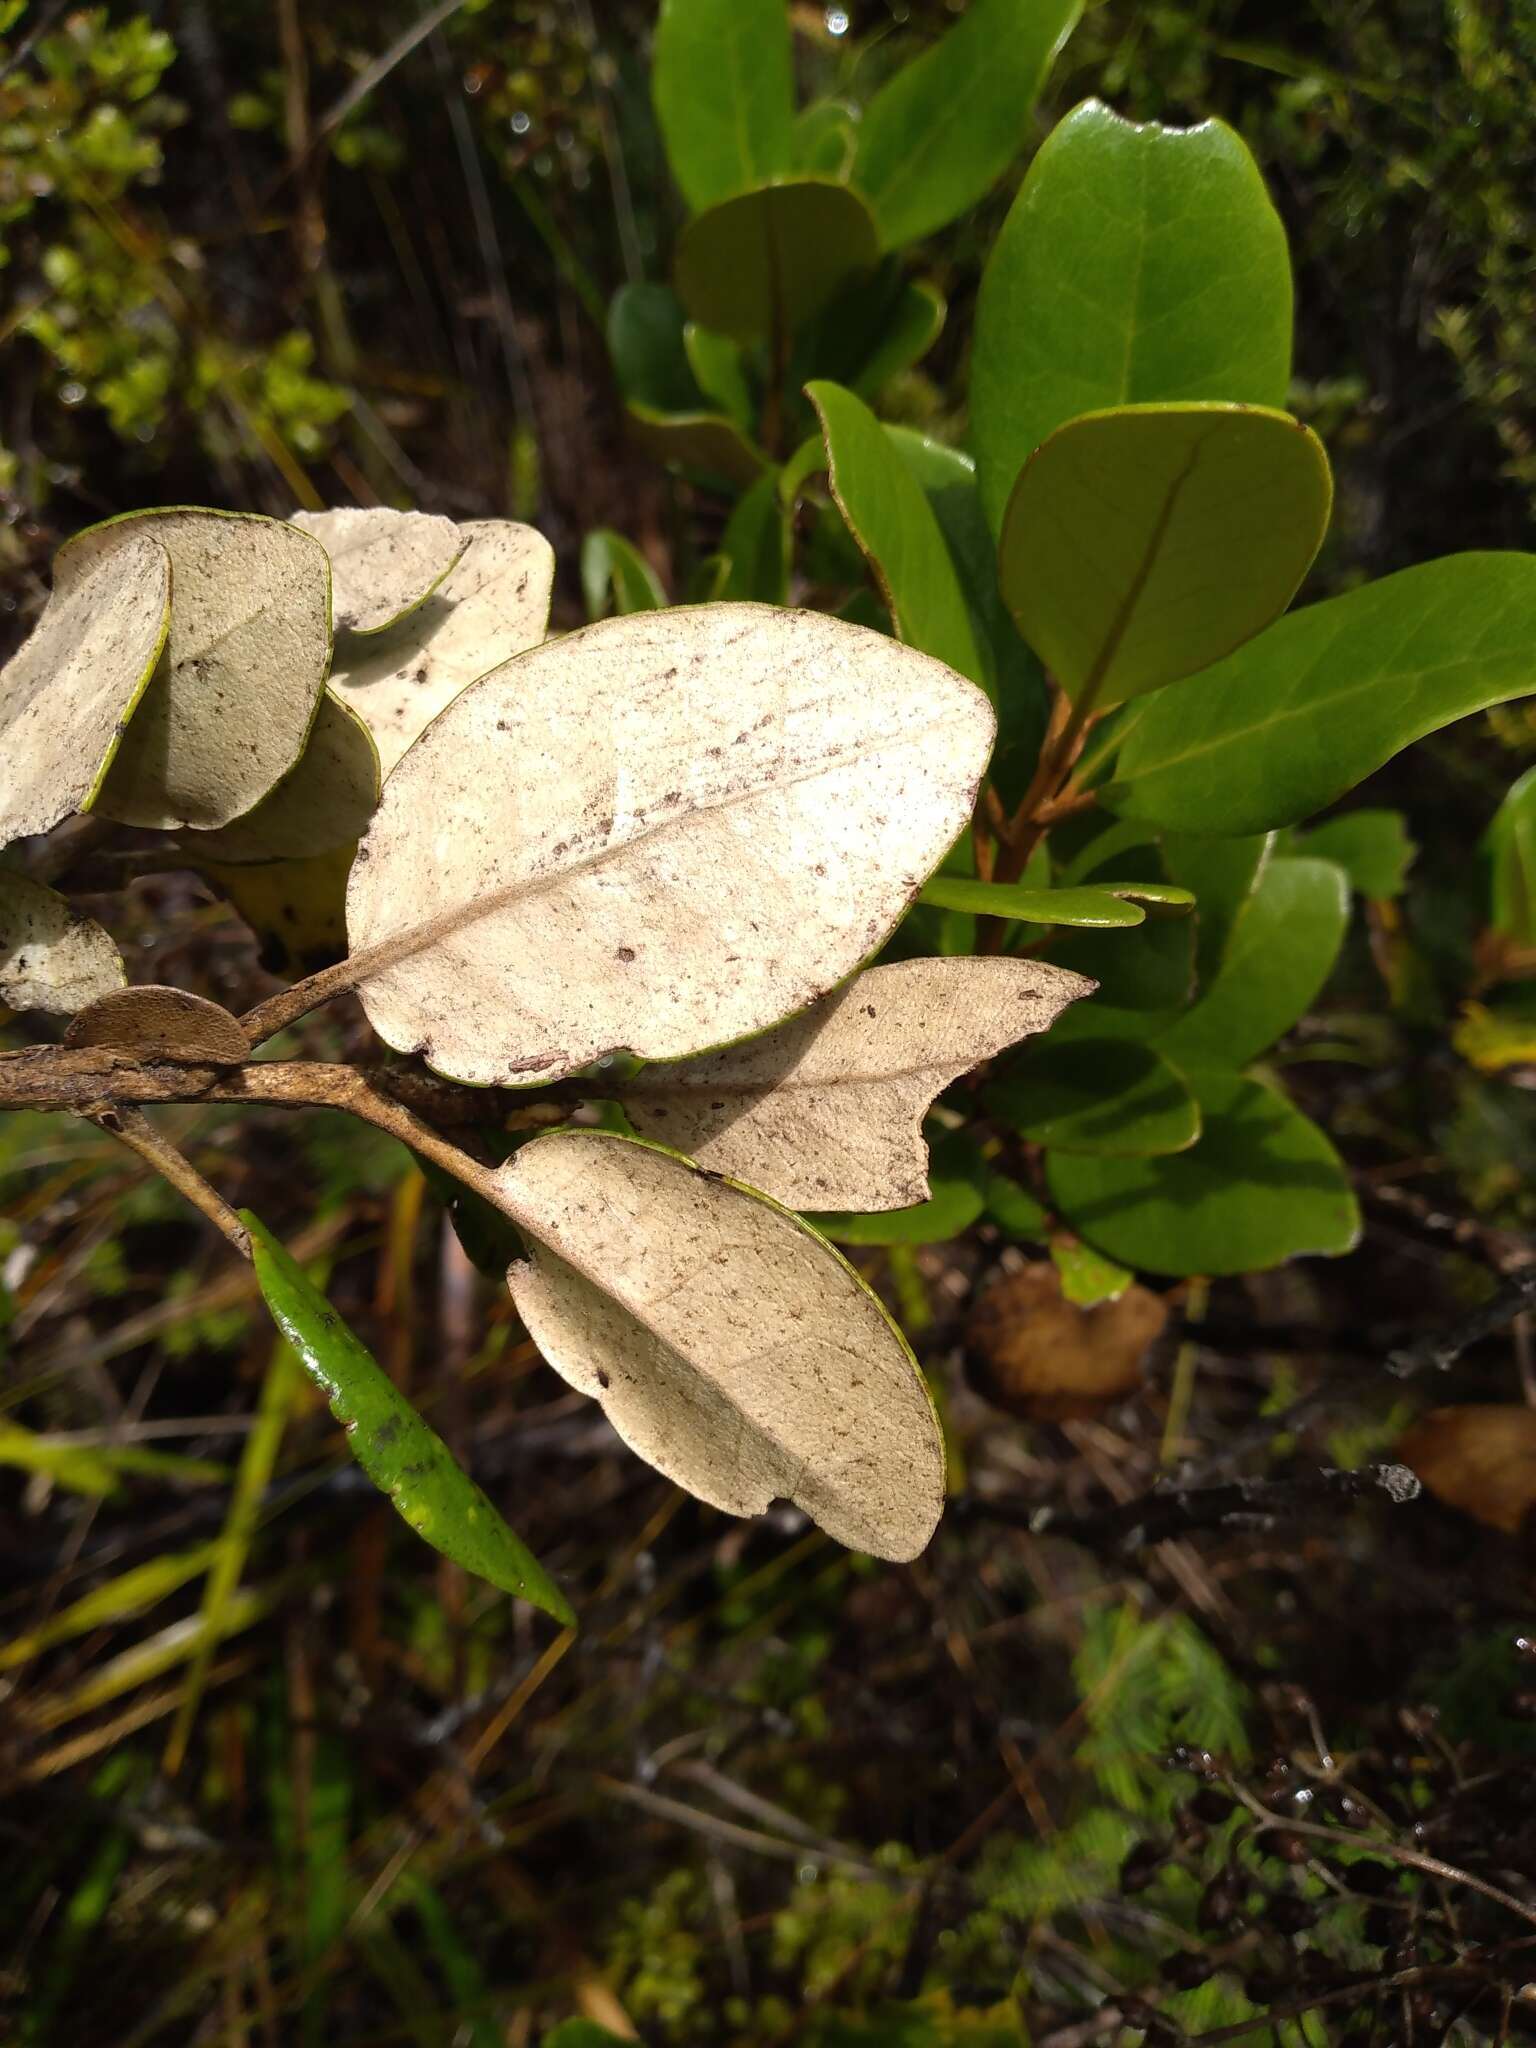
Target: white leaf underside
730	1347
229	707
324	801
65	698
826	1111
50	957
493	604
383	563
663	832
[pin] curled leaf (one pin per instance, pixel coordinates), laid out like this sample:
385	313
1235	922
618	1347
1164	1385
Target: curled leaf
324	802
229	706
826	1112
662	832
730	1346
66	697
51	958
383	563
493	603
163	1024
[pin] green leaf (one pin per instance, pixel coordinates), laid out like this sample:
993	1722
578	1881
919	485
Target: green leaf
764	263
401	1455
1313	706
822	145
1223	874
1262	1185
1143	544
1139	265
706	444
958	1181
894	524
1087	1277
582	2034
1151	971
613	566
756	545
724	93
1512	844
1284	942
1097	1095
1030	906
720	372
913	326
1372	847
1014	1210
647	341
940	134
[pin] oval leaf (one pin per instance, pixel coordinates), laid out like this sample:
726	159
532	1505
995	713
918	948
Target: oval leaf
1142	544
322	804
1262	1185
1097	1095
937	136
51	958
739	128
401	1455
493	603
229	707
162	1024
1030	906
729	1345
1139	265
66	697
662	832
765	262
383	563
1300	715
704	443
1372	847
827	1111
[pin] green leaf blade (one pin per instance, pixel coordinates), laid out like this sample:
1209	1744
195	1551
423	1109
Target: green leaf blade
765	262
403	1457
724	93
1097	1095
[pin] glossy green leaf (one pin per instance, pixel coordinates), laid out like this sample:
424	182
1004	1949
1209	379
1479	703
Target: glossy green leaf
1222	874
1015	1210
615	576
1087	1277
913	326
724	93
762	264
823	141
958	1180
1139	265
720	370
756	545
1262	1185
895	525
1149	970
1142	544
1283	945
1512	846
1291	721
401	1455
1030	906
943	130
1372	847
1096	1095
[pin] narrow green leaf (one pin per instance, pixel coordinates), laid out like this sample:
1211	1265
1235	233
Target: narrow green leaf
894	524
118	1599
612	567
724	93
915	323
762	264
823	141
720	371
1087	1277
1290	722
1262	1185
1096	1095
1372	847
1030	906
1284	942
401	1455
1139	265
1512	844
1144	543
756	545
647	342
941	133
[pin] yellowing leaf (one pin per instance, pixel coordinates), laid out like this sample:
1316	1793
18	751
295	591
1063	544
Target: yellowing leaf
229	707
730	1346
51	958
1480	1459
383	563
65	699
1037	1354
826	1112
493	603
664	832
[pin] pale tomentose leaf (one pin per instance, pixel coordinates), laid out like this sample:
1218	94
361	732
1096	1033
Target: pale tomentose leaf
827	1111
51	958
229	706
730	1346
162	1023
493	604
66	697
322	803
383	563
663	832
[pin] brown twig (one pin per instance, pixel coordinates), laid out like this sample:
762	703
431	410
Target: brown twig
139	1135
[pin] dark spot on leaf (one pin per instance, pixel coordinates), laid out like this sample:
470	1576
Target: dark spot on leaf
603	1379
625	954
388	1430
